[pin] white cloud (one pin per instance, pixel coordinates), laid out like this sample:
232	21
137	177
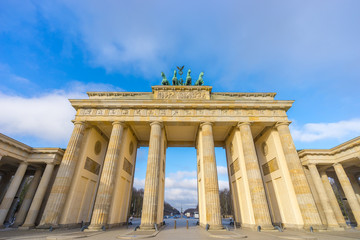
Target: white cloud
182	174
46	117
223	184
311	132
139	183
221	170
246	36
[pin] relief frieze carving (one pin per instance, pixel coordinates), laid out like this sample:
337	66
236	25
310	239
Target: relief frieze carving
113	111
184	94
181	112
100	112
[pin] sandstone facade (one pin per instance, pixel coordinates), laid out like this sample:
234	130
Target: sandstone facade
270	184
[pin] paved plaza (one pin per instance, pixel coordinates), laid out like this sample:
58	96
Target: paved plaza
181	232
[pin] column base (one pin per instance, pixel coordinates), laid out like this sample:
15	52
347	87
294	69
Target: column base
16	225
216	227
94	228
213	227
147	228
151	227
345	226
292	226
47	226
28	227
264	227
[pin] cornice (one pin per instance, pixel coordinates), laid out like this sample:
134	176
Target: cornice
116	94
186	88
59	151
117	103
244	94
27	149
14	143
332	151
179	88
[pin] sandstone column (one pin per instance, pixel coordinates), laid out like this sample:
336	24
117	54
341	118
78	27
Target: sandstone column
212	199
63	179
104	194
325	202
39	196
333	200
355	185
16	201
257	191
10	193
20	217
151	191
305	199
348	190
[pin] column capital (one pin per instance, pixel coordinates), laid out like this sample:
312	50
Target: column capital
335	164
157	123
119	123
243	124
81	123
52	162
287	123
205	123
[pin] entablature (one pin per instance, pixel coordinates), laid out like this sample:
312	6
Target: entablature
180	114
16	150
343	153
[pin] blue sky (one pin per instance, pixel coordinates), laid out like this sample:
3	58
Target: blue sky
306	51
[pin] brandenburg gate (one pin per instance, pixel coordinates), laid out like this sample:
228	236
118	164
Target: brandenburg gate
95	178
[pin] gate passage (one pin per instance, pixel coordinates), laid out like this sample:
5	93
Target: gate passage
95	177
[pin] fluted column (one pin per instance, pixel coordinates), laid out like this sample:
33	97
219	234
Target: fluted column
20	217
16	201
106	187
333	200
212	199
151	191
304	197
325	202
39	196
257	191
355	185
10	193
348	190
60	189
